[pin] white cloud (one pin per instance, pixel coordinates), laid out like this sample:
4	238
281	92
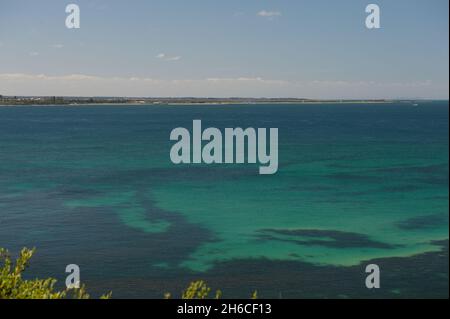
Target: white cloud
58	46
269	14
34	53
174	58
165	57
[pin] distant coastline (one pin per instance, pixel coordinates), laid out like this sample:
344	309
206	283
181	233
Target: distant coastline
76	101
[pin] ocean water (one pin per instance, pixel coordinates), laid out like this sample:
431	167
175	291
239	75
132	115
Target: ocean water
357	184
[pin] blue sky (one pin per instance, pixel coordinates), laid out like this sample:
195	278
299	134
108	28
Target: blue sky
307	48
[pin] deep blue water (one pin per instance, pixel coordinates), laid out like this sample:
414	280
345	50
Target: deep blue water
95	186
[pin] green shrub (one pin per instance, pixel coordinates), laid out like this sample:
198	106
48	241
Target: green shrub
200	290
13	286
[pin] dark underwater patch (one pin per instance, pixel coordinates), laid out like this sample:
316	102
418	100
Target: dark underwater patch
327	238
424	222
420	276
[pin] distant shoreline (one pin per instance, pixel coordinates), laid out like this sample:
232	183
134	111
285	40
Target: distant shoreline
113	101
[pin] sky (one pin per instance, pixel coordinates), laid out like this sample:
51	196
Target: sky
225	48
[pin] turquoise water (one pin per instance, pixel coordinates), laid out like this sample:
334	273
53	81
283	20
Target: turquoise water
95	186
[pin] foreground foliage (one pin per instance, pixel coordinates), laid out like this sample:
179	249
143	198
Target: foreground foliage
13	286
200	290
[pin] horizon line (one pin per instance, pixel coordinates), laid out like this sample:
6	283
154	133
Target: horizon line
126	97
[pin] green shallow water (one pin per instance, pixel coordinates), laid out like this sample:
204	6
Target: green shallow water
313	196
